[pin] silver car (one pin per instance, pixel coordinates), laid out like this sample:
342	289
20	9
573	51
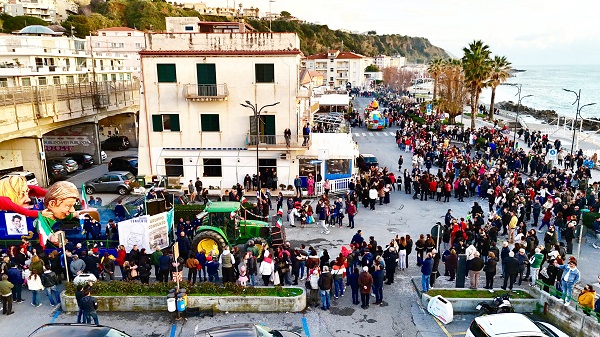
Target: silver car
115	181
69	163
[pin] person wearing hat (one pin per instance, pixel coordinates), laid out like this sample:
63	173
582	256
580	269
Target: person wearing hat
568	279
365	282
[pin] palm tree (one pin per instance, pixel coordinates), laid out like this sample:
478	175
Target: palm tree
434	68
499	73
476	65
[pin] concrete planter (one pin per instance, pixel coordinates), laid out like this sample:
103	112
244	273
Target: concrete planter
216	304
468	305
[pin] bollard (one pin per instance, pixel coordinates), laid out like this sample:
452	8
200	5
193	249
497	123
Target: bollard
461	271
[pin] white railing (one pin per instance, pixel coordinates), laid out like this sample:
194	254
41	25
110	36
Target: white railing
335	184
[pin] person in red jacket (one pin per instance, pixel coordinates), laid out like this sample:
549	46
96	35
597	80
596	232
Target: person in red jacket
351	214
120	260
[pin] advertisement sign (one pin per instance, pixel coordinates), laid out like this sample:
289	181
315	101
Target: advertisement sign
147	231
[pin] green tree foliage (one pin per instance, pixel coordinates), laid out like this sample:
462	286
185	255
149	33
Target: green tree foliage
286	14
372	68
12	23
84	25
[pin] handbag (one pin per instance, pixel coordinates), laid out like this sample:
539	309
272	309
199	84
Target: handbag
544	273
134	273
307	285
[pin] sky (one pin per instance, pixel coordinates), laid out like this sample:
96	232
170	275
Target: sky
527	32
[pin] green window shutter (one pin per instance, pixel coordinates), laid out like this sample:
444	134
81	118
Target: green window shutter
210	122
264	72
157	125
175	123
166	73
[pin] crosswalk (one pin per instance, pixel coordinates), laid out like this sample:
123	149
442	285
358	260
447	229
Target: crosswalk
375	134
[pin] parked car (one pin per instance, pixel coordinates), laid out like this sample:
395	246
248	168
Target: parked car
56	171
84	160
74	329
366	161
124	163
118	143
243	329
69	163
29	176
103	156
511	325
116	181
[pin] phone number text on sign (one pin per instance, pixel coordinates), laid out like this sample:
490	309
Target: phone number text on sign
58	148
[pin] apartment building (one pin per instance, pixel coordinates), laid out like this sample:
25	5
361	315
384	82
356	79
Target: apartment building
196	119
339	68
124	42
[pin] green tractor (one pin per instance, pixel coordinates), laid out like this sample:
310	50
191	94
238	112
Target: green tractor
224	224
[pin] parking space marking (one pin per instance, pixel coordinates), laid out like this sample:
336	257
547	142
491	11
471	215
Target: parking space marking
459	333
173	329
305	325
55	316
442	327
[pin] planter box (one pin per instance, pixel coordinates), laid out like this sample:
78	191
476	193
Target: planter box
468	305
214	303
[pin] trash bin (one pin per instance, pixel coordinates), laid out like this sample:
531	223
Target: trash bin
171	306
181	302
441	308
185	297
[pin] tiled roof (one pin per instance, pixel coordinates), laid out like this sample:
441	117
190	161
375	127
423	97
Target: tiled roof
118	29
342	55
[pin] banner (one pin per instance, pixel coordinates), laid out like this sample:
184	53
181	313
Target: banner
158	231
146	231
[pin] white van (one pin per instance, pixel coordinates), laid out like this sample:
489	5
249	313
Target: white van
511	325
29	176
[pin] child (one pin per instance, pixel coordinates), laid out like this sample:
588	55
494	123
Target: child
243	279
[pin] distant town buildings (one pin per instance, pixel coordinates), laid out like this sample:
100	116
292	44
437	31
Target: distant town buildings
383	61
124	42
339	68
51	11
194	25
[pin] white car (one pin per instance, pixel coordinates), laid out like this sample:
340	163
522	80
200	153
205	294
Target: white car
511	325
103	155
29	176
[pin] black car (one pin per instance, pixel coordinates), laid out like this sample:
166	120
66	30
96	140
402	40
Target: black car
118	143
84	160
56	171
366	161
73	329
124	163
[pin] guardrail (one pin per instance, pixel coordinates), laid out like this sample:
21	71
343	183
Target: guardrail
335	184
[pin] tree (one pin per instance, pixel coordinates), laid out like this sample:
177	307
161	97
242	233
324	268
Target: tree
434	69
476	65
499	73
371	68
11	24
452	91
286	14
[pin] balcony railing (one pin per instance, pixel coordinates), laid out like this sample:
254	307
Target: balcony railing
275	142
206	92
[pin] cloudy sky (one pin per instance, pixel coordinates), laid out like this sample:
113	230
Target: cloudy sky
527	32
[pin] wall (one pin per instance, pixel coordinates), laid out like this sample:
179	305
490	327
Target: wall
26	153
126	123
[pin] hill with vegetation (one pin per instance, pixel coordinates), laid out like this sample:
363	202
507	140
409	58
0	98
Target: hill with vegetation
315	38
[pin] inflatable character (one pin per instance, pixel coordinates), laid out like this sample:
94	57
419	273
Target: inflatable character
15	196
59	203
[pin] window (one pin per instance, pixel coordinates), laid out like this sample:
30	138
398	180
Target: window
338	166
56	80
3	82
174	167
166	73
26	81
331	69
42	81
138	45
306	168
189	28
209	122
166	122
82	78
331	79
128	34
212	167
70	79
265	72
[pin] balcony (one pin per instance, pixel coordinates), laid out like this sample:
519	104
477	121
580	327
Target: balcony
205	92
275	142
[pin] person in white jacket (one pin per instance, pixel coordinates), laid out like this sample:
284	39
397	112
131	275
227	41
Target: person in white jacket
34	282
266	268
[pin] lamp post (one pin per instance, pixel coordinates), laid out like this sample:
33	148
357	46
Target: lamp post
257	111
518	86
577	114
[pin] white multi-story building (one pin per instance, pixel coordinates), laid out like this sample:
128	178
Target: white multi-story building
339	68
39	56
383	61
43	9
192	122
123	42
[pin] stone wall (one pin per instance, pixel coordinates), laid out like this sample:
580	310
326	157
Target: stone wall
216	304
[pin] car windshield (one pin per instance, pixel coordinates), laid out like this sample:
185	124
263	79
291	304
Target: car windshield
134	162
476	330
263	331
370	159
545	329
129	176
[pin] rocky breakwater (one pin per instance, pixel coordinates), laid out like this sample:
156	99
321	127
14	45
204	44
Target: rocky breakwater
548	116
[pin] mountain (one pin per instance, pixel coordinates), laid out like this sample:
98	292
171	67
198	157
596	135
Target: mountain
314	38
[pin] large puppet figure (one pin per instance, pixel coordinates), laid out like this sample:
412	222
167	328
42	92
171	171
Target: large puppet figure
15	196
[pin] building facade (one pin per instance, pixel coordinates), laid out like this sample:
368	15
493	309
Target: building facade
193	124
339	68
123	42
43	9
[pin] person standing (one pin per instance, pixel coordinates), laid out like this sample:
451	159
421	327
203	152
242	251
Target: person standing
192	191
198	186
451	264
365	282
227	261
306	134
323	215
287	134
511	269
475	268
88	305
120	211
6	294
352	281
426	269
372	197
49	281
569	277
378	284
16	278
34	283
538	259
351	213
298	186
490	270
325	283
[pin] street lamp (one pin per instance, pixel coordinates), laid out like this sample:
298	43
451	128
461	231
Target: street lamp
257	111
518	86
577	114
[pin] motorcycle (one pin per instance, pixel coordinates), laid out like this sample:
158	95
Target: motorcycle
501	304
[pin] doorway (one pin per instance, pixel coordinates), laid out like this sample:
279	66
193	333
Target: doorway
268	169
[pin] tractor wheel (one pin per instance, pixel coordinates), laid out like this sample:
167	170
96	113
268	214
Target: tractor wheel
277	236
209	241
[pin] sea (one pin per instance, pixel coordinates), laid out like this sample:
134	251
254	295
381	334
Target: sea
546	84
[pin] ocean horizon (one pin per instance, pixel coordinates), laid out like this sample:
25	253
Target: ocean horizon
546	84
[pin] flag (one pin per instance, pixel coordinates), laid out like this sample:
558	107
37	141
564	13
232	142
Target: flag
280	211
279	223
244	200
83	197
44	229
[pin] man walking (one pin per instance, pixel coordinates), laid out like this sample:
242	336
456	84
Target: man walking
365	282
